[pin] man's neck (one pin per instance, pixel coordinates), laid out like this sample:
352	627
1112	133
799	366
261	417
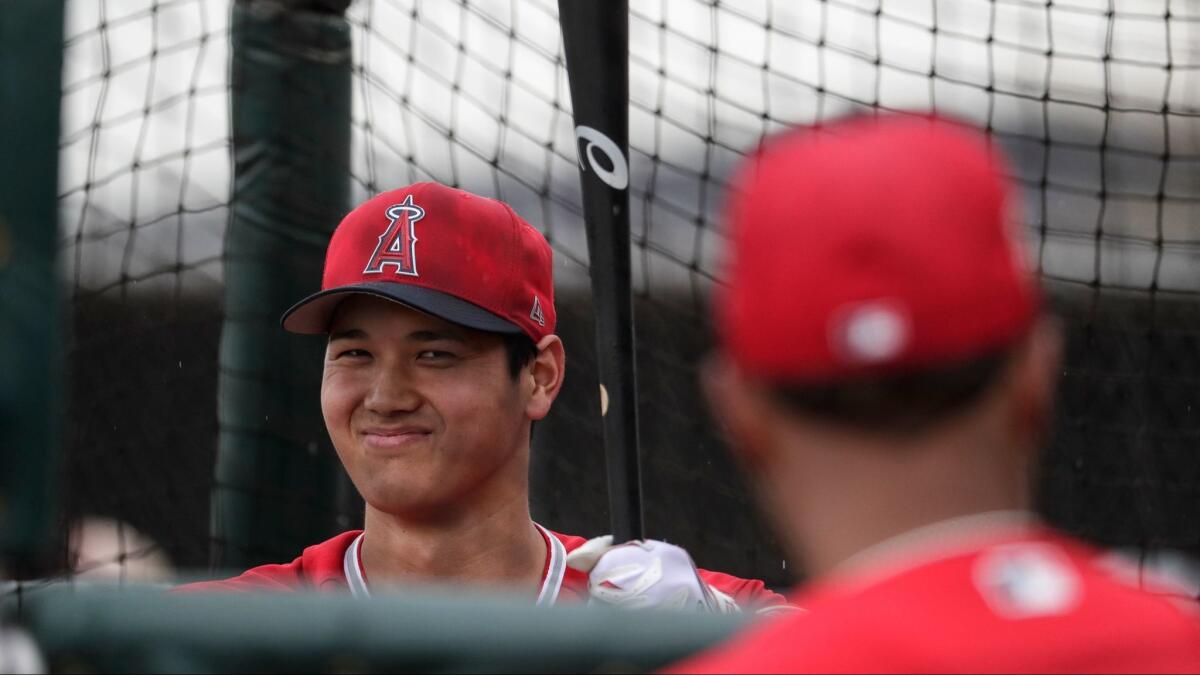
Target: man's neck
845	498
498	546
936	540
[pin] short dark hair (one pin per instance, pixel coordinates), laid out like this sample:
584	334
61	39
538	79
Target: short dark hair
520	350
902	403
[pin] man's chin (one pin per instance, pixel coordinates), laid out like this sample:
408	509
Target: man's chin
413	508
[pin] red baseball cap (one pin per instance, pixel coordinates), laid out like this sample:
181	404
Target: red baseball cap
869	246
464	258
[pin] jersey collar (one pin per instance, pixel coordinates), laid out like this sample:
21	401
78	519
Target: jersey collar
930	543
552	576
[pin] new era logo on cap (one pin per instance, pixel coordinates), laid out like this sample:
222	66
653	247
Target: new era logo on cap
465	258
536	313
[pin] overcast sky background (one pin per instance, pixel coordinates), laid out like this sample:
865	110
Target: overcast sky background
145	155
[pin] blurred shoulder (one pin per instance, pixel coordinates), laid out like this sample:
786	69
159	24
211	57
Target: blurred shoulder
319	567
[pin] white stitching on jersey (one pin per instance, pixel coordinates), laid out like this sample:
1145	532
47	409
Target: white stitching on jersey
555	570
353	570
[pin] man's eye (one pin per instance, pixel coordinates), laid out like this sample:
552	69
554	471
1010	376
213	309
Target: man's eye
352	353
434	354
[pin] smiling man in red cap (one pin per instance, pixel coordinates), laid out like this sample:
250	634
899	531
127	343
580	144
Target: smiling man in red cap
886	373
439	310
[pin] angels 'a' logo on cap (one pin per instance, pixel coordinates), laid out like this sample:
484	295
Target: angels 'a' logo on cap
397	245
536	313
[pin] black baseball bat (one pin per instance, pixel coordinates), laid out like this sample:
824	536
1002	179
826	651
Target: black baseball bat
596	41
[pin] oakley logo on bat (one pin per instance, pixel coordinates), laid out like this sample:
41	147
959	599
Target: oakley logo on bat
618	176
398	244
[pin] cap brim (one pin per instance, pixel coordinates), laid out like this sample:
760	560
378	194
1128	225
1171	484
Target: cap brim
313	314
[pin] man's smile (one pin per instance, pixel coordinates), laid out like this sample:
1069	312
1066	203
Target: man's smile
393	438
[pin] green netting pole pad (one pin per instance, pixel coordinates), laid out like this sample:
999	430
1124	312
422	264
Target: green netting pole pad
276	475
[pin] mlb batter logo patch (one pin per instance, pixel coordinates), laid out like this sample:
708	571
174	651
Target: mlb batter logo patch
397	247
1021	581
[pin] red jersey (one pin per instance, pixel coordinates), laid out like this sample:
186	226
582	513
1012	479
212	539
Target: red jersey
335	565
972	595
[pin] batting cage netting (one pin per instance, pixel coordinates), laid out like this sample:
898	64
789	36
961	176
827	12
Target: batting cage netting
1097	104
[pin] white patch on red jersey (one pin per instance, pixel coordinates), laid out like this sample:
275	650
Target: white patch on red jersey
1021	581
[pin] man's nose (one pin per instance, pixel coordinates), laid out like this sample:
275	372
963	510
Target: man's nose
392	392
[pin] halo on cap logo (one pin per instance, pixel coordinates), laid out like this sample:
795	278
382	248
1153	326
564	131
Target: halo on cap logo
397	246
872	332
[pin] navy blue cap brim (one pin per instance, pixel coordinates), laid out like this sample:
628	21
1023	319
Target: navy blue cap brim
313	314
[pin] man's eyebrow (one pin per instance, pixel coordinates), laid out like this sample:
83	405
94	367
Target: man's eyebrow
348	334
436	335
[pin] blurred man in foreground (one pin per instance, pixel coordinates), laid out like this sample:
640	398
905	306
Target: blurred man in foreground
886	374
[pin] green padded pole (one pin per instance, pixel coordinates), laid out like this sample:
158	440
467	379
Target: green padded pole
111	630
276	475
31	35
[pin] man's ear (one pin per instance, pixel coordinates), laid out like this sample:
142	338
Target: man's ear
1038	370
740	408
546	372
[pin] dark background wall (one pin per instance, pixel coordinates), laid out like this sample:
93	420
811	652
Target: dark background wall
1121	468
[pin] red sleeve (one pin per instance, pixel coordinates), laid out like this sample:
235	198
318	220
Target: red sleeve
319	567
750	593
270	578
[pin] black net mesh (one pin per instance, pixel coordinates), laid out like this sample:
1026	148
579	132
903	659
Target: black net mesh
144	188
1098	104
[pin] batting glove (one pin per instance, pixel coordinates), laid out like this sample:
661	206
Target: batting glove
646	574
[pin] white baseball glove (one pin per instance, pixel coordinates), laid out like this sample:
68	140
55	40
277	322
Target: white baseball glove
646	574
